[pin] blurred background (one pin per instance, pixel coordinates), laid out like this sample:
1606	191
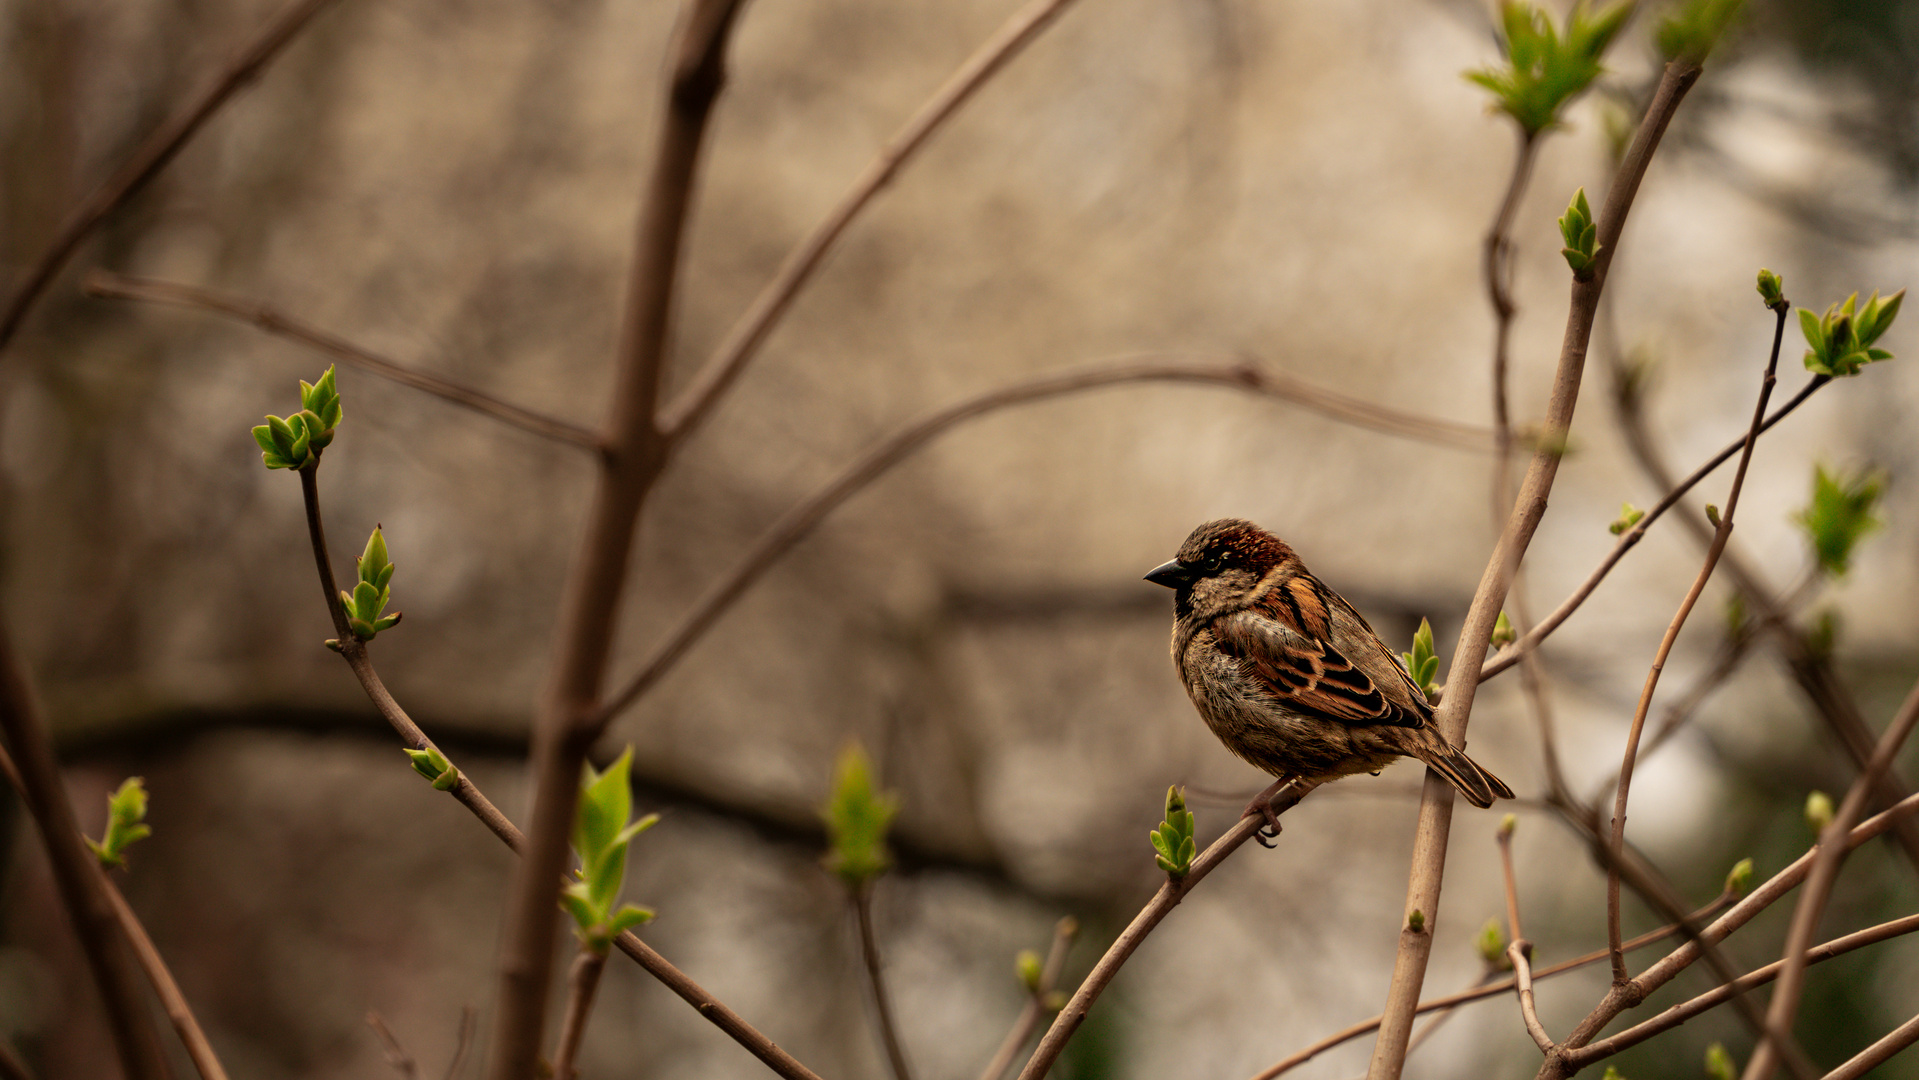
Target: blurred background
453	183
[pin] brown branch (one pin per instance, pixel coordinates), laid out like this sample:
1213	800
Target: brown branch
1878	1053
158	976
1831	855
117	287
1496	264
1623	788
1516	953
1811	670
1483	991
862	900
1630	538
1719	995
753	328
172	1000
396	1055
1281	796
1436	805
77	876
802	519
462	1043
1029	1016
152	156
636	452
582	984
470	796
1733	653
1619	999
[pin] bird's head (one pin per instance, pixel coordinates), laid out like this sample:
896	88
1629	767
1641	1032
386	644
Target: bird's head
1219	564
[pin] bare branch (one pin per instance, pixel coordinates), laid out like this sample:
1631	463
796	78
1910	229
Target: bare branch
462	1043
862	899
1029	1016
751	331
1523	981
1630	538
802	519
1281	796
152	156
470	796
76	874
118	287
396	1055
1724	533
1831	854
1878	1053
636	453
1483	991
179	1013
1724	992
582	984
1436	805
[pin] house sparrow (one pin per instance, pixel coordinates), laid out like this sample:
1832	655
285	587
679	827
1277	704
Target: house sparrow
1288	675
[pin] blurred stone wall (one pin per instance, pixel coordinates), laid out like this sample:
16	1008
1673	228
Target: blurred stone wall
453	183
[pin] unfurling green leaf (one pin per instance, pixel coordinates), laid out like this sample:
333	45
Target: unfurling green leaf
1629	515
296	441
1818	811
1508	824
433	765
1416	922
126	823
1841	513
601	833
1581	236
857	816
1843	339
1613	1073
1719	1063
1712	515
1422	663
370	595
1491	944
1739	877
1503	632
1173	840
1692	28
1771	290
1544	69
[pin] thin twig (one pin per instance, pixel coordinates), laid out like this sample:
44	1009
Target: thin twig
470	796
752	329
462	1043
636	453
862	901
1523	982
1630	538
1496	264
1281	796
1436	804
1029	1015
172	1000
1878	1053
76	875
582	984
152	156
1719	995
1481	992
1825	871
1811	669
803	518
1623	788
396	1055
1619	999
114	286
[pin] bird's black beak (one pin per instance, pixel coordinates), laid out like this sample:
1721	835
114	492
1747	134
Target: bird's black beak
1173	574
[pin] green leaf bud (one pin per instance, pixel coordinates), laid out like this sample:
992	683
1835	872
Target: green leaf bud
1491	944
1771	290
857	817
1739	877
1818	810
1027	966
1629	515
1416	922
1503	632
1719	1063
1842	511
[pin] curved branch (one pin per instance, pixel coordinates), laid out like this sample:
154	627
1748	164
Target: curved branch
152	156
1511	654
752	329
119	287
471	797
1281	797
802	519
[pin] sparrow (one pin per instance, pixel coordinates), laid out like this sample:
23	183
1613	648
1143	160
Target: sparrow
1288	675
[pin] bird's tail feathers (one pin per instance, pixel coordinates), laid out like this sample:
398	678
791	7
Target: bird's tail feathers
1473	781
